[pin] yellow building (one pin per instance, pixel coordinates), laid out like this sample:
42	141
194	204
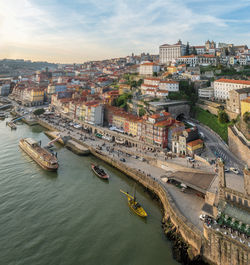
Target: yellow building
194	147
133	127
65	109
123	88
119	121
172	69
82	112
245	105
37	95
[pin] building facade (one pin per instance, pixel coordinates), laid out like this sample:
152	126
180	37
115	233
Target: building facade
223	86
206	93
245	105
148	68
169	53
4	89
235	97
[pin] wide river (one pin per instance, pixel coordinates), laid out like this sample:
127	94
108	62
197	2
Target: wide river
71	217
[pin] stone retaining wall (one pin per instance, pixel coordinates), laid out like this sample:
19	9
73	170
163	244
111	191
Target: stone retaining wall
223	250
211	109
203	160
238	147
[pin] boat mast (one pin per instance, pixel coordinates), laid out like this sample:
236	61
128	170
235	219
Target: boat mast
134	192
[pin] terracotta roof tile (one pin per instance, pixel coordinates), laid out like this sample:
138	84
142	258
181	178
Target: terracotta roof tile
233	81
195	142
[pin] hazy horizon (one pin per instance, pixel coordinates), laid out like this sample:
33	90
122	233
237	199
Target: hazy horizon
82	30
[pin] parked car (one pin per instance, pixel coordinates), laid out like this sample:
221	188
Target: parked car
234	170
202	217
226	169
122	159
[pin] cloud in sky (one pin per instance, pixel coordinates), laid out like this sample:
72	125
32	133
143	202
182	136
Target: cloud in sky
80	30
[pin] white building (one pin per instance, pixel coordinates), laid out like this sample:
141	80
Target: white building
161	93
223	86
171	86
155	84
149	68
200	49
169	53
94	114
192	60
145	87
244	59
150	92
152	81
206	93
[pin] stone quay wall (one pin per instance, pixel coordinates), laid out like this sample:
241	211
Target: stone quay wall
223	250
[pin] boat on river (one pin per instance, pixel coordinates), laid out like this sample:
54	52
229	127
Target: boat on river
134	205
12	125
42	156
99	172
2	116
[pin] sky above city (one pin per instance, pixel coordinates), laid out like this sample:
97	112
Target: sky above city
67	31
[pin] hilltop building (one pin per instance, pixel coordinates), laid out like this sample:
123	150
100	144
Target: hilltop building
169	53
223	86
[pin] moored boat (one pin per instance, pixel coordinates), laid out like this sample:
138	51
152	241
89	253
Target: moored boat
99	172
2	116
42	156
134	205
12	125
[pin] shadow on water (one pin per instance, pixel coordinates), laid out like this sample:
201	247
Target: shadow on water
142	219
51	175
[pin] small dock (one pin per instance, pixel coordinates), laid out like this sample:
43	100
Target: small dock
55	134
69	143
11	125
77	148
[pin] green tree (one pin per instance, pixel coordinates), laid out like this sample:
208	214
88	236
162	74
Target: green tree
139	82
223	117
187	48
38	112
246	117
122	100
155	74
194	51
221	107
133	83
142	112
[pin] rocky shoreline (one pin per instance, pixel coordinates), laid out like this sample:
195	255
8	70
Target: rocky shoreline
181	250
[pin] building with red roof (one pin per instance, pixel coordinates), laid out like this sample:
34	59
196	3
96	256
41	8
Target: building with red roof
148	68
223	86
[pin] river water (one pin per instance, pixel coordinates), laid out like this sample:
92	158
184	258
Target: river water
71	217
